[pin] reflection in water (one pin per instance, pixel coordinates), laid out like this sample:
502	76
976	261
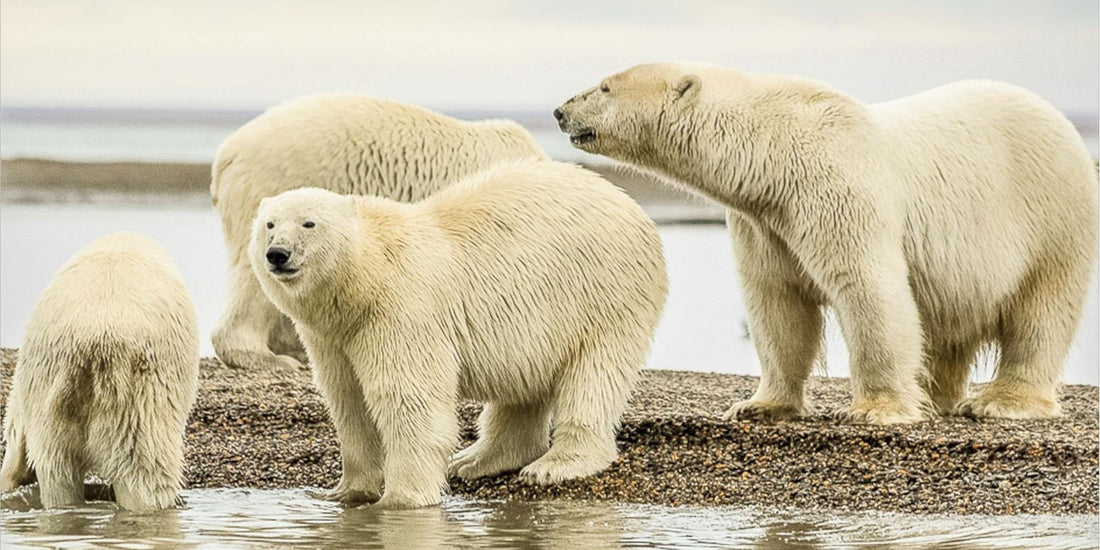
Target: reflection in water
260	518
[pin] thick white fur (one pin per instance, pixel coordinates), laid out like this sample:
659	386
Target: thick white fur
106	378
534	287
350	144
935	225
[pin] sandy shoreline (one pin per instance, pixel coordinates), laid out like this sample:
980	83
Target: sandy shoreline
270	430
27	180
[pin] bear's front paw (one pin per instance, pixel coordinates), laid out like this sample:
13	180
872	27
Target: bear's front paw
482	460
762	410
351	497
391	501
553	468
261	361
881	412
1009	403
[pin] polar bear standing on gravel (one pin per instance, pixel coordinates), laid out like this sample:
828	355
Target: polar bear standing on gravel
934	224
534	287
350	144
106	378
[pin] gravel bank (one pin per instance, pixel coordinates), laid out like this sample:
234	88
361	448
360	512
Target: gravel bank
271	430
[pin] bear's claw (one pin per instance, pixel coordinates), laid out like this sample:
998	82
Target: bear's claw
880	413
762	410
992	403
351	497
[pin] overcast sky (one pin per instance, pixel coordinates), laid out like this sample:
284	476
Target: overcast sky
523	55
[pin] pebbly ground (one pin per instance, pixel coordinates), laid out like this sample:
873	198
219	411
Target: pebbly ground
270	430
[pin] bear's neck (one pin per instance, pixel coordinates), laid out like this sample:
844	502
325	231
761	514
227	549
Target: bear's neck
758	165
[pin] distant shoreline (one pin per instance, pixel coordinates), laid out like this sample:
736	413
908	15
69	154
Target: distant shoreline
33	180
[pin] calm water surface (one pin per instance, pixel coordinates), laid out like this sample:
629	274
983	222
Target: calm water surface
703	327
234	518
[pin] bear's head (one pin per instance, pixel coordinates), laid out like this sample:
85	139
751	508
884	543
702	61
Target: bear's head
301	237
618	118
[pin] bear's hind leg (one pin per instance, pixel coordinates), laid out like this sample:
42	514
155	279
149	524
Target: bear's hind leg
591	395
509	438
245	330
138	447
60	475
948	376
16	470
1036	334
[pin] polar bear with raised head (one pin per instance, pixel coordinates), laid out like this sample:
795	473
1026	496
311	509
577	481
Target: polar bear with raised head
347	143
935	225
534	287
105	379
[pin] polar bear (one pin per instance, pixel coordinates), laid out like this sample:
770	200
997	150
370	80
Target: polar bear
347	143
935	225
106	378
534	287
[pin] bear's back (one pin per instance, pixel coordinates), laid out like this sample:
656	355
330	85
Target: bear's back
122	290
363	145
551	235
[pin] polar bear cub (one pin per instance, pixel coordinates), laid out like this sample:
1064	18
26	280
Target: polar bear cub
347	143
534	287
935	225
106	378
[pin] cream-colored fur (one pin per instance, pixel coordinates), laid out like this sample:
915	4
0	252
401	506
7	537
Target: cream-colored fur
106	378
935	225
350	144
534	287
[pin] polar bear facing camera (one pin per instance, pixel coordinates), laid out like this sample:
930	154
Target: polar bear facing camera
105	379
534	287
347	143
935	225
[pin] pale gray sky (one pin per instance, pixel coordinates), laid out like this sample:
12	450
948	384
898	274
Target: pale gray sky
524	55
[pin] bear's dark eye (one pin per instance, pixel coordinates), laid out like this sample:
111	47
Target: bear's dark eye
271	225
605	88
308	225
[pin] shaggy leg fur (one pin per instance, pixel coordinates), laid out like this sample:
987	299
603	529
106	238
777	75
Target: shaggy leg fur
414	413
418	438
882	327
1036	335
510	437
786	325
361	452
59	463
245	330
591	395
135	440
16	470
948	375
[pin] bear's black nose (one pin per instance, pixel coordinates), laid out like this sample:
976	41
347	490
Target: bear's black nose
558	114
278	256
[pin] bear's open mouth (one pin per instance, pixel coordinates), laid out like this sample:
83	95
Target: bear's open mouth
282	272
583	135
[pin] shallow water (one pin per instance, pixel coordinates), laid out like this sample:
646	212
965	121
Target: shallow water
703	327
219	518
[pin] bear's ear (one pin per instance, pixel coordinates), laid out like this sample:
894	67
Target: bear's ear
686	88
